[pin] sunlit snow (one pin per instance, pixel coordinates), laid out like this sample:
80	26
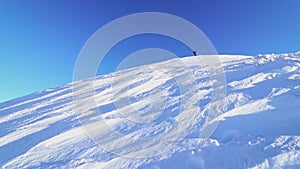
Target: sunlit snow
152	117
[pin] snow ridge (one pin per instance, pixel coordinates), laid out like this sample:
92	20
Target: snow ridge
152	117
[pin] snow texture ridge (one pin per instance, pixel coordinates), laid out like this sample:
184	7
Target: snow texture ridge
145	120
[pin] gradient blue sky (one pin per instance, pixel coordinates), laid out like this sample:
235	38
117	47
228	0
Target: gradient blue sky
41	39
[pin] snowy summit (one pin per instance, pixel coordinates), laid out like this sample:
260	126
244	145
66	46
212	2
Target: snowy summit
154	116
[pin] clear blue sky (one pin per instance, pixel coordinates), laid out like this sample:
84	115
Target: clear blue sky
41	39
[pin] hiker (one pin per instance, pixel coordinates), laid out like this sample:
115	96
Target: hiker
195	53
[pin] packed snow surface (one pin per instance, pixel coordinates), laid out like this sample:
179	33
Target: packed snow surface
154	116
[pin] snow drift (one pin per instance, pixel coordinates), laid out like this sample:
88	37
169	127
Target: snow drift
151	117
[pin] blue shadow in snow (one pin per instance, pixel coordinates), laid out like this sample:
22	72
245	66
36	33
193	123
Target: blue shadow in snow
16	148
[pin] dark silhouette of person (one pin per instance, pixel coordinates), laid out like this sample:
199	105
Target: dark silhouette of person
195	53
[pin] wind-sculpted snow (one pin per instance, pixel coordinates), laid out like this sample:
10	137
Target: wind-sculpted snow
153	116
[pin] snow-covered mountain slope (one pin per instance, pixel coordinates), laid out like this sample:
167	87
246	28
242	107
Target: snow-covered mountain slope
152	117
